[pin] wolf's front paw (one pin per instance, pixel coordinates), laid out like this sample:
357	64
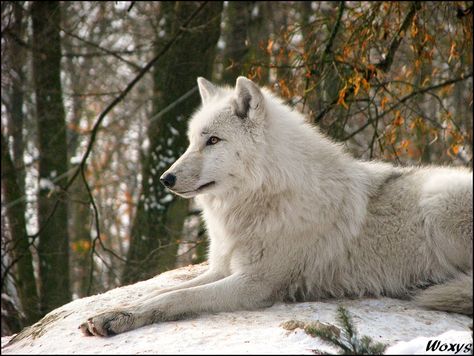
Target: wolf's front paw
108	323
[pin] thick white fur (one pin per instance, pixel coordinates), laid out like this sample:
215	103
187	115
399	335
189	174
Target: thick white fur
292	216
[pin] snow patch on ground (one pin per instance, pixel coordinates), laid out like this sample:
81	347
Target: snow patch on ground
244	332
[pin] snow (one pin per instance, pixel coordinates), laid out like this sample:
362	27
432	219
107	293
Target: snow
46	184
167	198
173	131
75	160
244	332
145	144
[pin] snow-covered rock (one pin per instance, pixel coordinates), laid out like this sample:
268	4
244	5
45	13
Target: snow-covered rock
386	320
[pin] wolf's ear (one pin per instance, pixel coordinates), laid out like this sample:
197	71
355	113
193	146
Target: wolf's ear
248	99
206	89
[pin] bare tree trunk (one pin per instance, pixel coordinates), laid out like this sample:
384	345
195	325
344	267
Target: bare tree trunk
15	124
19	245
13	180
236	37
53	246
160	215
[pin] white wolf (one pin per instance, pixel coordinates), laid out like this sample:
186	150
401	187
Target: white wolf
291	216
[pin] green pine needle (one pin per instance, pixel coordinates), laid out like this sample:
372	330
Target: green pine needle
348	340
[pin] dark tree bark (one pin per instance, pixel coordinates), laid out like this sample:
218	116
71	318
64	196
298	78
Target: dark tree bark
238	21
53	246
15	122
19	245
160	215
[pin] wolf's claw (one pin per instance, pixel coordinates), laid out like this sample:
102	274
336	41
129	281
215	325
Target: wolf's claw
108	323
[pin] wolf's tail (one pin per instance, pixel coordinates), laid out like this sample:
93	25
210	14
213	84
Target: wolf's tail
454	296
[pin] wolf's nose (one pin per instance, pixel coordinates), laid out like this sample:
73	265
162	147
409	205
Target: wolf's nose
168	180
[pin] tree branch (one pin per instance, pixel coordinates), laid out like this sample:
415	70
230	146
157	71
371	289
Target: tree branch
334	31
129	87
408	97
95	45
387	62
425	90
383	65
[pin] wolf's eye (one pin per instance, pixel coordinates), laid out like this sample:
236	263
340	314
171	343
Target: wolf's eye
212	140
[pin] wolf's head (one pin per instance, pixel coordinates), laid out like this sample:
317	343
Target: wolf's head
224	137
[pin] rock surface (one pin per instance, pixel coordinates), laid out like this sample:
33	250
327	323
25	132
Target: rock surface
243	332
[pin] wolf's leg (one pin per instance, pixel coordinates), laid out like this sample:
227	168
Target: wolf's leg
207	277
235	292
